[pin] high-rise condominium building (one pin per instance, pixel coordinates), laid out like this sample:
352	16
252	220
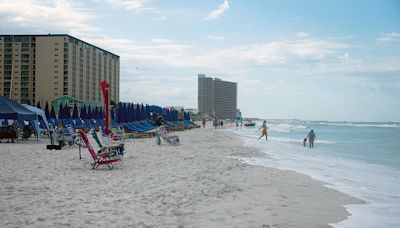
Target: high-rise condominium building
216	97
43	67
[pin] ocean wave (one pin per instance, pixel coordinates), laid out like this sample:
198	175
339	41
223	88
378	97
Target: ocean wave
289	140
383	125
284	127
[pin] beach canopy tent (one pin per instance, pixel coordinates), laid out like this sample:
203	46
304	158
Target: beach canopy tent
71	101
12	110
39	112
65	99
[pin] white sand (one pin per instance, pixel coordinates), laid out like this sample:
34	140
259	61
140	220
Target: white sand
193	185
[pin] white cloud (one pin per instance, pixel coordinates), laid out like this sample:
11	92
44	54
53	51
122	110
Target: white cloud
135	6
388	37
215	37
218	12
49	16
302	34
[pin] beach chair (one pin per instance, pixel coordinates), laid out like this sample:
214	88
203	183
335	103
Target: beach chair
106	145
104	157
171	140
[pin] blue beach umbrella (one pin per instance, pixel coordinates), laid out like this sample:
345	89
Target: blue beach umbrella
125	112
137	112
46	110
129	112
119	113
38	105
53	113
101	113
112	114
83	112
95	113
67	113
142	112
60	112
75	112
89	113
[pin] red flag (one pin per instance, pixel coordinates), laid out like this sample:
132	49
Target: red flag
105	87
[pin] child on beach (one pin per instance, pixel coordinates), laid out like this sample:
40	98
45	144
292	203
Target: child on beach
263	129
305	142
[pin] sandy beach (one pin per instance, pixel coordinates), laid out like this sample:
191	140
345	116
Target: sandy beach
195	184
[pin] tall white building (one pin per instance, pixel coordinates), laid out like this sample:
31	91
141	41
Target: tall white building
217	97
44	67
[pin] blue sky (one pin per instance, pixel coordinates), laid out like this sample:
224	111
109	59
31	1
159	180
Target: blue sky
313	60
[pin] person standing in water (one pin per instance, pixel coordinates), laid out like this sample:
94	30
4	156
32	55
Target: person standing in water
311	137
263	129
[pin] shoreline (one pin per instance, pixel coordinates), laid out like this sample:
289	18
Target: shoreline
196	184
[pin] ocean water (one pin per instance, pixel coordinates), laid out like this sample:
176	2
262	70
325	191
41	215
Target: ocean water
359	159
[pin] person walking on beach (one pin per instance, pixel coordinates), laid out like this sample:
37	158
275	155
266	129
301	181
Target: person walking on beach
204	122
311	137
263	129
215	123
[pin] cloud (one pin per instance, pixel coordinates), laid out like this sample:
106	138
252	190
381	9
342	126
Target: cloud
215	37
218	12
45	17
389	37
135	6
302	34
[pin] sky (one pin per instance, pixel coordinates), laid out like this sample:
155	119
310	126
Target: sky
308	59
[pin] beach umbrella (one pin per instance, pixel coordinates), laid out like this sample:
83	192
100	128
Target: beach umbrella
128	112
112	114
119	113
89	113
147	112
38	105
103	113
125	112
53	113
143	112
95	113
67	113
60	111
133	112
83	112
75	112
137	112
46	110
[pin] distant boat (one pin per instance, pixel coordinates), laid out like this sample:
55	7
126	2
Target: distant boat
250	124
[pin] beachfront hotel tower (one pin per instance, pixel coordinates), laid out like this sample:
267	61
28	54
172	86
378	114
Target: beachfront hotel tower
217	97
44	67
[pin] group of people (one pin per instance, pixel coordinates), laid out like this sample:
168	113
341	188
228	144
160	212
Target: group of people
217	123
311	137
